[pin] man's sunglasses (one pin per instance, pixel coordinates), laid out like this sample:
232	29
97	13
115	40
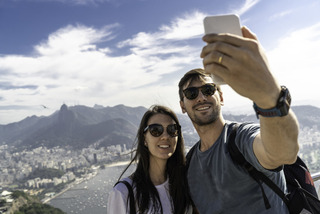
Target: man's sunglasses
207	90
156	130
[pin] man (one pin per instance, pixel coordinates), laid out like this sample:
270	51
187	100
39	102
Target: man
217	184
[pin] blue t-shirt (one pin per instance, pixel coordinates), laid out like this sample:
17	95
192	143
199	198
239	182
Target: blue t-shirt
217	185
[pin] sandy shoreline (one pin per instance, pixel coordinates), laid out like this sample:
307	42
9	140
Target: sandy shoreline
121	163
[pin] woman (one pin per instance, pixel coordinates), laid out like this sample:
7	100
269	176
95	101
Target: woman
159	181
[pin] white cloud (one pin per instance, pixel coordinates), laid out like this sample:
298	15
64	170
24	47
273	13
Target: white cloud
281	14
295	61
75	65
185	27
75	2
71	66
248	4
74	38
168	39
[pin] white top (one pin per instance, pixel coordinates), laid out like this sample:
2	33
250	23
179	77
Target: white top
117	201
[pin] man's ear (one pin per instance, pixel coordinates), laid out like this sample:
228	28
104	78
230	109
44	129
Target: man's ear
221	98
183	109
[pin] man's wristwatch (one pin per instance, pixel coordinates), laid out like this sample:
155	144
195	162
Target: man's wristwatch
280	110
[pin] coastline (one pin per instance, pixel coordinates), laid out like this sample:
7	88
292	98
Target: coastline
72	184
120	163
82	179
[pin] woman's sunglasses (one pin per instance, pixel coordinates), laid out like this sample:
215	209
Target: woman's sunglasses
156	130
207	90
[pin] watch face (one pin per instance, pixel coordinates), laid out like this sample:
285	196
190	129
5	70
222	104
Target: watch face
284	101
281	99
289	98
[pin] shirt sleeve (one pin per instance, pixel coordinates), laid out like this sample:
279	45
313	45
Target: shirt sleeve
117	201
246	134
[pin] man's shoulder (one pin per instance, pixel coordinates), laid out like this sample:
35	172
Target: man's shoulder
191	150
243	128
246	124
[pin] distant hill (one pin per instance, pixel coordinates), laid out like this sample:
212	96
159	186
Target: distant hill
308	116
77	127
81	126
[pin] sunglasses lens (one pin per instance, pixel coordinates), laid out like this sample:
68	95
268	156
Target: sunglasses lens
156	130
191	93
172	130
208	90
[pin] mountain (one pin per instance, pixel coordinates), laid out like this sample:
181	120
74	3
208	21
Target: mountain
308	116
80	126
77	127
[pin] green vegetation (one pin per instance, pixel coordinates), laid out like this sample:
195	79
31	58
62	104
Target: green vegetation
57	188
2	202
48	173
17	194
30	205
38	208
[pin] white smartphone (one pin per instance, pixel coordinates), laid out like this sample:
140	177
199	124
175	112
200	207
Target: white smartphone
222	24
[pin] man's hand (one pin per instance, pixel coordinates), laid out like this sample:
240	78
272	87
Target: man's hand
243	66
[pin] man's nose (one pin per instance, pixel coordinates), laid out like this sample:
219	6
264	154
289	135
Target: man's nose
201	97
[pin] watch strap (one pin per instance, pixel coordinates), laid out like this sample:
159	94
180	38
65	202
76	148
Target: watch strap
281	109
272	112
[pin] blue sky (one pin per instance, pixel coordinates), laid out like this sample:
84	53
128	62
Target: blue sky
133	52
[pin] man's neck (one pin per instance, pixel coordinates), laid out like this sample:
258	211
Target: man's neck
209	133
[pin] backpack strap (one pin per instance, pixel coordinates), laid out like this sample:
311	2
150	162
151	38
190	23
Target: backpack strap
130	197
238	158
258	176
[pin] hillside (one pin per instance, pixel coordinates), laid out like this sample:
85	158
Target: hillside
76	127
80	126
24	203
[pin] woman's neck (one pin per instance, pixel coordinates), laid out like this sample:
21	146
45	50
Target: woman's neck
157	172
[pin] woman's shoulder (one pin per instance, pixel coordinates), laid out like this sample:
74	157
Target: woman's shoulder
118	196
121	186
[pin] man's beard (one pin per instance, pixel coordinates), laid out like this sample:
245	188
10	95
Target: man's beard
209	119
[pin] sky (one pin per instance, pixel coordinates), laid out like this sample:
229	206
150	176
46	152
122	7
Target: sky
134	52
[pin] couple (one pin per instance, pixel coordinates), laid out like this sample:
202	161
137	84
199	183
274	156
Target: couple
213	183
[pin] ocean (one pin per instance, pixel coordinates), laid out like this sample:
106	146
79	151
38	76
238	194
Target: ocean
90	196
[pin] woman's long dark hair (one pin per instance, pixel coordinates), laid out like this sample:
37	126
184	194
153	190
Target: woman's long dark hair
175	169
